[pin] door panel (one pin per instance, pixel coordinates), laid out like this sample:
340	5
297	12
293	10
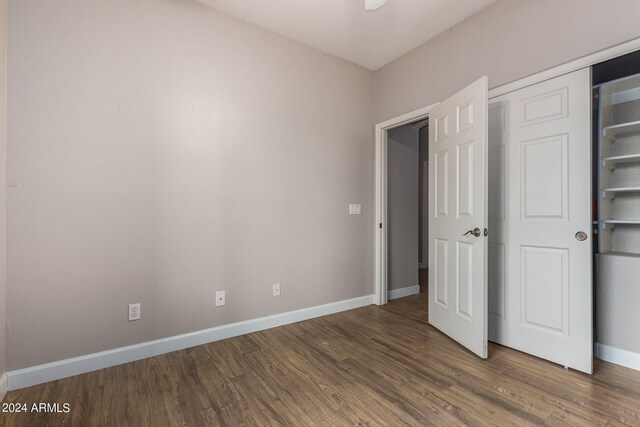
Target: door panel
496	280
441	183
548	292
441	271
465	180
464	279
544	169
545	107
457	204
544	284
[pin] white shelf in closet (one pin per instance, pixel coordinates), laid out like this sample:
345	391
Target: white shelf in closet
614	131
608	192
610	223
617	253
619	166
627	158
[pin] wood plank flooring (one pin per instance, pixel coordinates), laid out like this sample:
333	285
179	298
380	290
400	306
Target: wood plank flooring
415	306
369	366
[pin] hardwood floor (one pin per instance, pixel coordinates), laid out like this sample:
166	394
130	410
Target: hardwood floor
369	366
415	306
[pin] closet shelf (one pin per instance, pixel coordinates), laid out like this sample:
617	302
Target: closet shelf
624	254
609	192
611	223
627	158
624	128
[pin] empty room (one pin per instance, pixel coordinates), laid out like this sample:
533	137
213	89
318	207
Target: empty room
319	212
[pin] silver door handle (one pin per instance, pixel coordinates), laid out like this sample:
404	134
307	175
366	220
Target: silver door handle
581	236
476	232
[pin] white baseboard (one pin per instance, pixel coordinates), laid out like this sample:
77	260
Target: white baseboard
403	292
618	356
3	386
39	374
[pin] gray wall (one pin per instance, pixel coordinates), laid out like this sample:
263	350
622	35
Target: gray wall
159	151
617	298
506	41
402	207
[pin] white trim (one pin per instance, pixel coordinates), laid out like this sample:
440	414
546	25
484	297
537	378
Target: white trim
78	365
380	249
3	385
380	252
618	356
403	292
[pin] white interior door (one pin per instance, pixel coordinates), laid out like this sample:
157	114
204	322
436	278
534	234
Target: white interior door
540	282
458	217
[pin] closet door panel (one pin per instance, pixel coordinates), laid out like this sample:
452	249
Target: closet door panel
548	285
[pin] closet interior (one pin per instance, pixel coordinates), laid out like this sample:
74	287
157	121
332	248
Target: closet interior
617	224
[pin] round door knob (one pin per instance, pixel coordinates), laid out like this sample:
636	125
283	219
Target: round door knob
581	236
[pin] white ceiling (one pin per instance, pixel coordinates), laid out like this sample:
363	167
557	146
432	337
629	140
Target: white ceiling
344	29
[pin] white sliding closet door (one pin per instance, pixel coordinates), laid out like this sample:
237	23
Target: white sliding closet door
458	217
540	268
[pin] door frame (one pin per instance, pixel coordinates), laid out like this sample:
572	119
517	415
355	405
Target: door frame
424	263
380	234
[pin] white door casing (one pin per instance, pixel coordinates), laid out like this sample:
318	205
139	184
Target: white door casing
540	275
424	238
457	204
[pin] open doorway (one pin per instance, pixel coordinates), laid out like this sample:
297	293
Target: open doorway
381	203
407	219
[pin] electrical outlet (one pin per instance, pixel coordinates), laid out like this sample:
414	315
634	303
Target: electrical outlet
134	311
220	298
276	289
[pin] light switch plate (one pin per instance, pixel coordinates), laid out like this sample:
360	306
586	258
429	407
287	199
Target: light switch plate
355	209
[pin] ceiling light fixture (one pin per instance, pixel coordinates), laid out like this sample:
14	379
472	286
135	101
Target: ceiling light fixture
372	5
